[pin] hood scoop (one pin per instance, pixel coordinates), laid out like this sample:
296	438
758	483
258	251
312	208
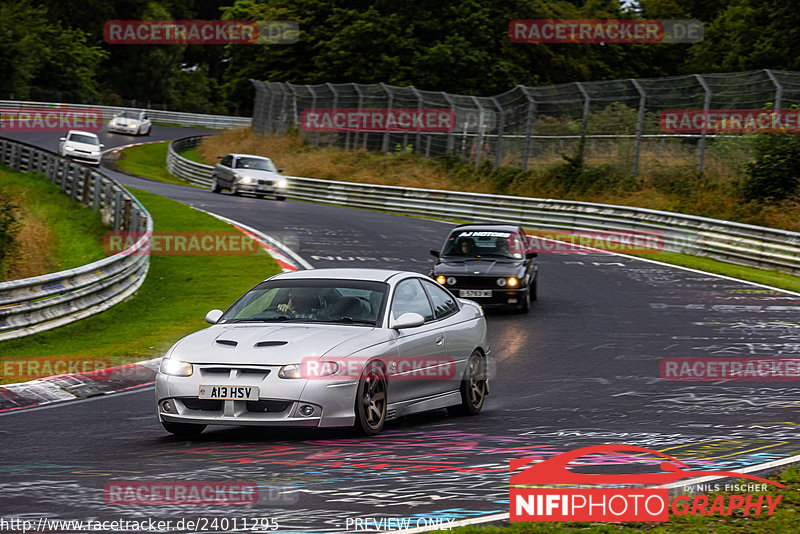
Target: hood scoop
227	342
270	344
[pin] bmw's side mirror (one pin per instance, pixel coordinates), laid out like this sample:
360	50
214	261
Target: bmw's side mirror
408	320
220	157
62	138
280	170
213	316
434	253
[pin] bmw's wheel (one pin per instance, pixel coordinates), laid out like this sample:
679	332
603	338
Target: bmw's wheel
183	429
215	188
526	301
371	400
235	190
534	296
280	197
474	387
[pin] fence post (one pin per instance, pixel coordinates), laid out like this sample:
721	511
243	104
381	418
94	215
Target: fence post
332	89
418	138
451	140
701	148
386	133
314	106
585	121
295	117
639	126
778	89
527	150
360	109
284	108
270	128
498	147
478	144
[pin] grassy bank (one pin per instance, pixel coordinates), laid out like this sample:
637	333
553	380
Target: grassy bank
52	232
783	520
148	161
172	302
668	179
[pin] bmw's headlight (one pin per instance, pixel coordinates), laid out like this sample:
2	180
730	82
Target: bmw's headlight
282	182
70	148
244	179
513	282
173	367
293	370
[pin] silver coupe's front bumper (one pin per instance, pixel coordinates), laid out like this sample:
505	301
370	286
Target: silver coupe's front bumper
279	404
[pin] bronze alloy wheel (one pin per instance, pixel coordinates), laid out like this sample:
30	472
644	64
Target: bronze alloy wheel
371	400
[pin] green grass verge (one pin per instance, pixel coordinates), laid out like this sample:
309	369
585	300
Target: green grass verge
172	302
784	518
76	231
148	161
193	155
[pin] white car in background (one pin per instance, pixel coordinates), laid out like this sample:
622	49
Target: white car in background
131	123
81	146
245	173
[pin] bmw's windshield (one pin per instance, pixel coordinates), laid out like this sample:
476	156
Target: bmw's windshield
128	115
314	301
257	164
465	244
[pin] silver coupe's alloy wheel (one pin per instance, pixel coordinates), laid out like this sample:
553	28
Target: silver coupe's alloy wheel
474	387
371	400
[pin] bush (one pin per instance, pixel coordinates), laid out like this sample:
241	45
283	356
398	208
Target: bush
9	226
775	173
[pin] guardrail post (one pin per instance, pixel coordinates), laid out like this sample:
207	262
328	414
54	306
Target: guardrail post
701	145
390	98
639	126
98	193
530	120
117	210
778	89
87	187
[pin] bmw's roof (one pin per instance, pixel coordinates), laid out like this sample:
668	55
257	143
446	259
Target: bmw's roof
501	227
375	275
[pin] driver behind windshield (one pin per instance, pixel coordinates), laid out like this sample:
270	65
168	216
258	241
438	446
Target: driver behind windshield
301	304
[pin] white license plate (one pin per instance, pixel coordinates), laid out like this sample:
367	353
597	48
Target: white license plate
474	293
228	392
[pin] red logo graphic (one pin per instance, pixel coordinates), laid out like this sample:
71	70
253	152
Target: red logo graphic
618	503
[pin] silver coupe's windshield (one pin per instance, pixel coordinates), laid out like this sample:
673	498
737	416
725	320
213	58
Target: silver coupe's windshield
257	164
317	301
483	244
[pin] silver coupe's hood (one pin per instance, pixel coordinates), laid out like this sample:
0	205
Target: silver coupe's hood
270	344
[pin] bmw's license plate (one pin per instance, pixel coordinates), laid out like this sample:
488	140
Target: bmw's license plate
467	293
228	392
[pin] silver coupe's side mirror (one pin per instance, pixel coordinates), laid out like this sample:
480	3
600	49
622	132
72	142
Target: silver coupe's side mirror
408	320
213	316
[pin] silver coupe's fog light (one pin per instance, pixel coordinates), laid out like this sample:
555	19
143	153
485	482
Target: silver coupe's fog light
166	406
306	410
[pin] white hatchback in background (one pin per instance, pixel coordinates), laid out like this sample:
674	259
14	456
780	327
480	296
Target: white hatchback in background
81	146
131	123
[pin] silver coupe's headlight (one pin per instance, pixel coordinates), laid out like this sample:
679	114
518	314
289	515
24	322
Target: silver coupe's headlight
174	367
293	370
282	182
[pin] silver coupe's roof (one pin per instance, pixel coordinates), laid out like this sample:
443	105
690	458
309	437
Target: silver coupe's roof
376	275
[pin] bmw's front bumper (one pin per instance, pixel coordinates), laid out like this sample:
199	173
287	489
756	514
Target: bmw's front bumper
118	128
280	400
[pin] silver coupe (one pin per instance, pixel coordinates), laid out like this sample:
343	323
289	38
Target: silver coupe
328	348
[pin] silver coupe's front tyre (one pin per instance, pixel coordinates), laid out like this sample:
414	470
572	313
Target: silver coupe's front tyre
370	405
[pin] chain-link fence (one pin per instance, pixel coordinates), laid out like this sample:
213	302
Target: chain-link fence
615	122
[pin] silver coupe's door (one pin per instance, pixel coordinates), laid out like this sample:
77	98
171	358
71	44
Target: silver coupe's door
420	349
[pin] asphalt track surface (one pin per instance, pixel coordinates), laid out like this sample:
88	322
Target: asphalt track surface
581	369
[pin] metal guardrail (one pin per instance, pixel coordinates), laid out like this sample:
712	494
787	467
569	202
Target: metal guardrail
741	244
171	117
44	302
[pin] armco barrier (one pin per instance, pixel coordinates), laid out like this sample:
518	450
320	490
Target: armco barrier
170	117
731	242
43	302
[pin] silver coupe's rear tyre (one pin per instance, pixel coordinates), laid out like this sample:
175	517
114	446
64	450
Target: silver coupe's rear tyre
474	387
